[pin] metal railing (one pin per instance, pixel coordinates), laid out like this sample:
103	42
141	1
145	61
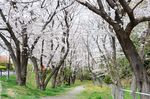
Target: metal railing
140	93
119	93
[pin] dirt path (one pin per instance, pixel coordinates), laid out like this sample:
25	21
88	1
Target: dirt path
70	95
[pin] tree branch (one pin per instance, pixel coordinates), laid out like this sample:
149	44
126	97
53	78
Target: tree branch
127	9
34	43
100	12
3	47
100	4
137	5
5	29
111	3
142	19
51	16
51	56
12	34
10	49
131	25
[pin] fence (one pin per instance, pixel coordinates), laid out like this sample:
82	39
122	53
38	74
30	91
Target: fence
119	93
0	89
140	93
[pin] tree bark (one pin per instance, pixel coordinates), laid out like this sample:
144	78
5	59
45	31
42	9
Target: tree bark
135	61
54	79
21	69
36	70
24	55
19	58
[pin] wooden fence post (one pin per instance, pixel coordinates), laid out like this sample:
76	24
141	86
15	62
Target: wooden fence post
0	72
117	93
0	89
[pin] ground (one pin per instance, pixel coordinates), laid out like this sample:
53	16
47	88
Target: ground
69	95
81	90
10	90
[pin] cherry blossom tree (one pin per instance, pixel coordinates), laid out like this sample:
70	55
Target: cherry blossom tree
19	22
123	9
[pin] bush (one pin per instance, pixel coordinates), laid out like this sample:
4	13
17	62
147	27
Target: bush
2	63
87	76
125	68
107	79
84	75
2	67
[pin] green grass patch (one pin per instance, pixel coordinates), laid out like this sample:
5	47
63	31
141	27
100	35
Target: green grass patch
95	92
128	95
95	95
10	90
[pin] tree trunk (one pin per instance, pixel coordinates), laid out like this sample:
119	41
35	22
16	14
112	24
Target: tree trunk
54	81
21	75
36	70
134	87
19	70
24	56
135	61
19	57
18	74
73	78
69	80
145	89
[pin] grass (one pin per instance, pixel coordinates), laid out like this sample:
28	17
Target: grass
96	92
128	95
10	90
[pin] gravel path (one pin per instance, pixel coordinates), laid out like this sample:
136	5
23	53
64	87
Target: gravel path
70	95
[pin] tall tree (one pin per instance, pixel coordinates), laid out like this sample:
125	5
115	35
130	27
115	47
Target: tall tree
121	8
18	49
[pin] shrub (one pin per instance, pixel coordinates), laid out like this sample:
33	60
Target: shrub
107	79
87	75
3	66
2	63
